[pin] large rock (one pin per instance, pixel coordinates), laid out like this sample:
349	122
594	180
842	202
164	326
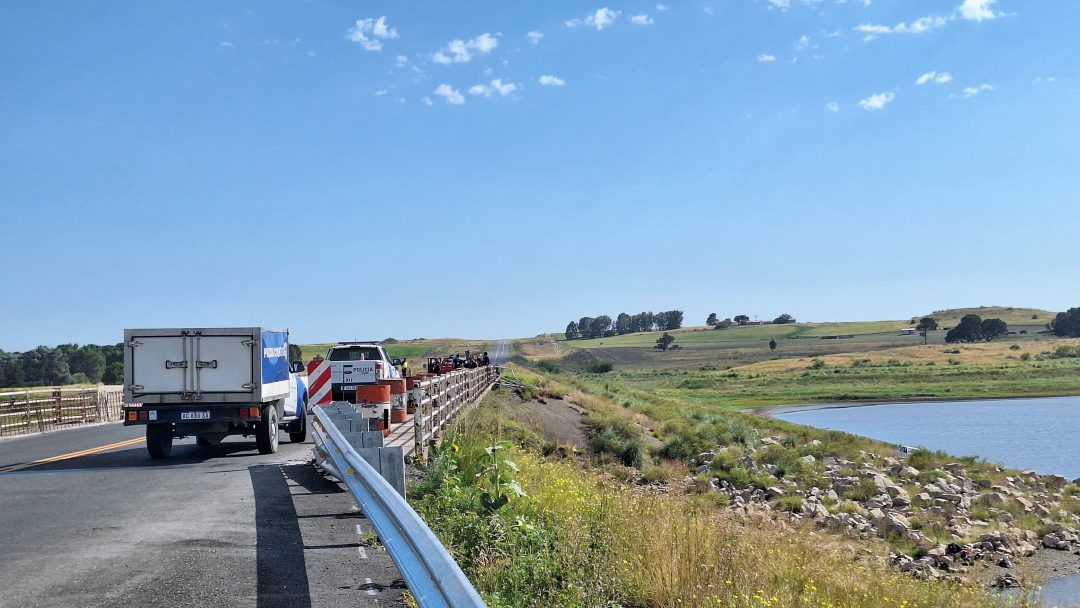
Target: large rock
894	524
1051	541
993	499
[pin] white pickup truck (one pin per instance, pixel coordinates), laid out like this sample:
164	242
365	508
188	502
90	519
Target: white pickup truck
212	383
356	363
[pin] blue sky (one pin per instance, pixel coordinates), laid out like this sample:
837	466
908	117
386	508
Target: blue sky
491	169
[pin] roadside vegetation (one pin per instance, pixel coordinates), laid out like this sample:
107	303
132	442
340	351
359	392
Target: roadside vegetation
533	528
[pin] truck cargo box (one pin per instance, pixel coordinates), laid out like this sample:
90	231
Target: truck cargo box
205	365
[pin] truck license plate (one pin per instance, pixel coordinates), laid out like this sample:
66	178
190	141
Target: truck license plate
203	415
348	387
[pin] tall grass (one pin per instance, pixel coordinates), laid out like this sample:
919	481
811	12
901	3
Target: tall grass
580	539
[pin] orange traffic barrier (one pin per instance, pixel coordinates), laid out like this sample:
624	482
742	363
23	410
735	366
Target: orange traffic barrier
397	416
373	393
397	386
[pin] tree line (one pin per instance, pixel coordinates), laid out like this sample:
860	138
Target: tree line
973	328
64	364
1067	324
71	364
603	326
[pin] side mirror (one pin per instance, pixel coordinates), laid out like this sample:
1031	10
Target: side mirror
296	367
395	361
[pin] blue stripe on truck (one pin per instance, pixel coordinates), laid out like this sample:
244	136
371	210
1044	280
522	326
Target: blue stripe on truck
275	356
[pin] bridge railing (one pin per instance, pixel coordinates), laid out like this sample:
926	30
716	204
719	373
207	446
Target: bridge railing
438	400
36	411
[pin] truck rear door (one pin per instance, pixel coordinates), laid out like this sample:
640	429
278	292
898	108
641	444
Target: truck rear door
188	363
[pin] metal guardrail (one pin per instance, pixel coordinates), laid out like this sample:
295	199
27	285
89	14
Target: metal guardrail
432	575
39	411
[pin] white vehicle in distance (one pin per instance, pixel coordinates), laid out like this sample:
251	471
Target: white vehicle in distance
907	450
356	363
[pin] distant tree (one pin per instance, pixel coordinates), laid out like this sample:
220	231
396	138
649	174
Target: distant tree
295	354
89	361
623	324
993	328
674	319
772	345
742	319
925	326
571	331
664	341
1067	324
601	326
784	319
968	330
712	320
584	327
726	323
114	373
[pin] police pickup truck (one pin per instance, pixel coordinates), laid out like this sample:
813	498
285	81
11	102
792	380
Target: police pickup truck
355	363
212	383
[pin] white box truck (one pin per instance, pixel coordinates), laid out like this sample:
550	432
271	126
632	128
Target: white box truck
213	383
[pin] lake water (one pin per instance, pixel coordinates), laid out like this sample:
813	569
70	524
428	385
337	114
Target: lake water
1039	434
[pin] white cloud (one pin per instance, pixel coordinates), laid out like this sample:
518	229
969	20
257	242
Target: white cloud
978	10
766	58
551	81
919	26
970	92
832	106
642	20
802	43
380	93
535	37
496	86
1043	80
934	77
225	44
780	4
428	102
661	7
462	51
877	101
602	18
369	33
452	96
401	60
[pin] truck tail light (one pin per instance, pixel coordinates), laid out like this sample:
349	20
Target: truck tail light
132	415
250	412
143	416
378	368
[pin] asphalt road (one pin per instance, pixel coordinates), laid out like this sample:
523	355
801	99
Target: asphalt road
87	519
500	353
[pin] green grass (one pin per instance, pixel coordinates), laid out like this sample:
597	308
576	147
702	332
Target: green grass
867	383
414	350
579	537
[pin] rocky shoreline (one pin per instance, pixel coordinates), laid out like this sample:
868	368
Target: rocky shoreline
942	522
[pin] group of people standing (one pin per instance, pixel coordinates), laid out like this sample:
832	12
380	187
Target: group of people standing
457	361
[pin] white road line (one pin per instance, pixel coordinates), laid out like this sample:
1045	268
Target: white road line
368	582
359	530
363	554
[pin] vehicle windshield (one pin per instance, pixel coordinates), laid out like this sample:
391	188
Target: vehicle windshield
355	353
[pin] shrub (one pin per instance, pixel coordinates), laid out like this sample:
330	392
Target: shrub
547	366
602	367
817	364
791	504
1014	347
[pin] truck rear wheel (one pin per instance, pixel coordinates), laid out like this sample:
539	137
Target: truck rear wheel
203	442
159	440
298	429
266	432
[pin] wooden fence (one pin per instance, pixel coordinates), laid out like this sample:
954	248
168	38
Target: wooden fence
30	411
439	399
